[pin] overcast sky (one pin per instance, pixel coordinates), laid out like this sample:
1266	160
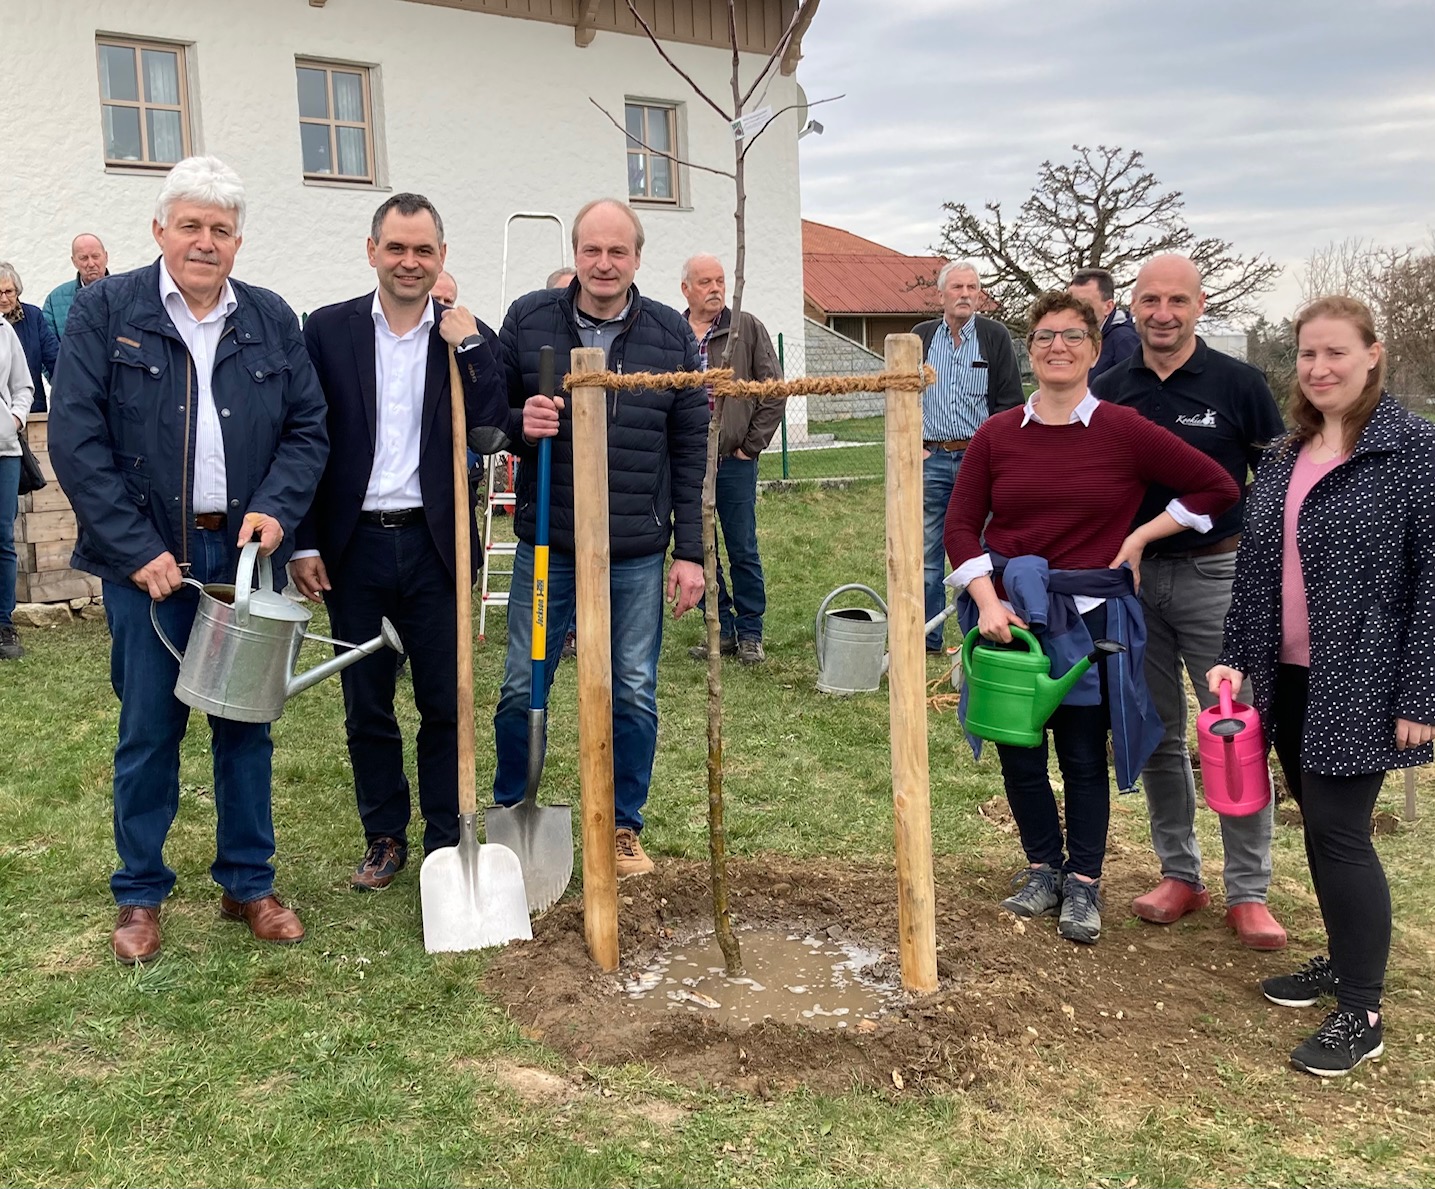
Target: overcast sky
1285	123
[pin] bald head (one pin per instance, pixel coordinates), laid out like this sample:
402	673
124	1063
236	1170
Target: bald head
89	257
705	287
1166	303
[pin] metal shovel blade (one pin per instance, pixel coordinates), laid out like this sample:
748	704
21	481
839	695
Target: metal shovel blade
542	838
472	895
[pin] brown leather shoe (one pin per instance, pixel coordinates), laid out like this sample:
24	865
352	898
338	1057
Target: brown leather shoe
136	936
267	919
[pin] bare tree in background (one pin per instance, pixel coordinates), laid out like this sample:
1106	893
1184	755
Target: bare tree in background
743	141
1104	209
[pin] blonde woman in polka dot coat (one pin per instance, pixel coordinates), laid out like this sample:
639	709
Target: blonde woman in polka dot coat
1332	620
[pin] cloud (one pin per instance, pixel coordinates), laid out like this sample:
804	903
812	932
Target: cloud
1285	123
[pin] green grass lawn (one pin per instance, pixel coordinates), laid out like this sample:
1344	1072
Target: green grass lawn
357	1059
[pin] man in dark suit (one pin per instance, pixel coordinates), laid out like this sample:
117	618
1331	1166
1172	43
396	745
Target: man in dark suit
379	540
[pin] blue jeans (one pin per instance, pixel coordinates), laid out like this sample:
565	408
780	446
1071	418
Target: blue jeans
398	573
152	723
739	616
939	476
9	509
636	586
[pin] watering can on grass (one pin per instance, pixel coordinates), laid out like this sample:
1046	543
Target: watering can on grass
852	642
1010	694
239	663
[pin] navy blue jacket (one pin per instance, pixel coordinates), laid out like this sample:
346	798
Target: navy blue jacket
123	421
1119	341
42	348
657	437
340	339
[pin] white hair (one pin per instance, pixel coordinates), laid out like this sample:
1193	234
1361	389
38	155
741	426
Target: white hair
204	181
7	272
957	266
691	260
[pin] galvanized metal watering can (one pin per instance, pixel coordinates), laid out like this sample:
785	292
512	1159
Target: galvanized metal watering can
852	643
239	663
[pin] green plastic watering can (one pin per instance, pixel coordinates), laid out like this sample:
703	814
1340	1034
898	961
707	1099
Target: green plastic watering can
1010	694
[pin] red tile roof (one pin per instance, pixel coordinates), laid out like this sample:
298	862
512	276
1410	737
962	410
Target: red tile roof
843	273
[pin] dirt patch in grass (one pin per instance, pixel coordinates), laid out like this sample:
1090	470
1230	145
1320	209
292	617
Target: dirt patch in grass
1146	1009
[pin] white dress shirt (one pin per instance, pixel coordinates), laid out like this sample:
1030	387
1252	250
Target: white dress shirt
400	367
210	491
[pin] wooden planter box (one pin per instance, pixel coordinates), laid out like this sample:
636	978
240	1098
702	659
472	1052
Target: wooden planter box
45	535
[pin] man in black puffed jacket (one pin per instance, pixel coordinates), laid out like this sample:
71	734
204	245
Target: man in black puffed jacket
657	455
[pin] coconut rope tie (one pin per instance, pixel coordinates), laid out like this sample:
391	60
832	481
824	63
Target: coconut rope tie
720	381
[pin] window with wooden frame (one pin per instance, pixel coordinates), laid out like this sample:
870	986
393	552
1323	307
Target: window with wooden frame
336	127
144	102
652	131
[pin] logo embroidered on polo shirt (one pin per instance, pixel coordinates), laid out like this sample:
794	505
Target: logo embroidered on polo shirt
1206	421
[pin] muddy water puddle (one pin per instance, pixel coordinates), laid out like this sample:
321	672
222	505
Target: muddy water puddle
788	977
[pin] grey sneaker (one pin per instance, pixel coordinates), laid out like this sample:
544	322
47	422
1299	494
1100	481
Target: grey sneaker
750	651
1080	910
1303	988
727	646
1038	892
10	649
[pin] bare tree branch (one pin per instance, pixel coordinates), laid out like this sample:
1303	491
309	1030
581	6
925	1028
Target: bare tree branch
656	152
749	143
657	45
801	18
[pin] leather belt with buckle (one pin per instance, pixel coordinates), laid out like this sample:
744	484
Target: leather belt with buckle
948	444
392	517
1224	545
211	522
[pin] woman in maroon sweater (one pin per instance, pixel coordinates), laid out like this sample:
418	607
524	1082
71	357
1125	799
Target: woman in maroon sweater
1062	479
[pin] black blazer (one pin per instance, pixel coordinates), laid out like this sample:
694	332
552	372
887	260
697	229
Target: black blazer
340	339
1366	537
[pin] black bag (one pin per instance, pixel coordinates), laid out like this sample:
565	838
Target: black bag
31	477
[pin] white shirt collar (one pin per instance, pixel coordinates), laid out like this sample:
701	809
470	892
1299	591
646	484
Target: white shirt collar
167	288
380	319
1084	408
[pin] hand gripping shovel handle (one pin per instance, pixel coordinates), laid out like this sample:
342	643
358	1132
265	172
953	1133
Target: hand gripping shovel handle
463	595
538	649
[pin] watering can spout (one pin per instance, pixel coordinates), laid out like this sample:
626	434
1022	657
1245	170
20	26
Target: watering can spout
387	638
1051	690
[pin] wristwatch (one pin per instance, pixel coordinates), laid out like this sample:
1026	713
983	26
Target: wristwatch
470	342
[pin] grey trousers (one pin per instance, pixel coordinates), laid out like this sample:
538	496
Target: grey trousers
1185	602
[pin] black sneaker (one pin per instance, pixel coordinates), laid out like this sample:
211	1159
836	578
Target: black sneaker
1038	892
1340	1044
381	862
10	649
1301	989
1080	918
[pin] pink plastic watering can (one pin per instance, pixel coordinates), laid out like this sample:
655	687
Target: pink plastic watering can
1234	775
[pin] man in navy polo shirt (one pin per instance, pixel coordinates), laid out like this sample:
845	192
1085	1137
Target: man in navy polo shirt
1223	407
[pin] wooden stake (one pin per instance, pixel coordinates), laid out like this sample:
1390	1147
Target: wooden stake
906	677
595	662
1410	813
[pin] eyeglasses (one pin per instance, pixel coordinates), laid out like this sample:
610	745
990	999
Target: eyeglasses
1071	336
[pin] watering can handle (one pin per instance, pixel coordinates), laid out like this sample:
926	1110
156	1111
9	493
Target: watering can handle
159	631
244	579
1226	701
819	633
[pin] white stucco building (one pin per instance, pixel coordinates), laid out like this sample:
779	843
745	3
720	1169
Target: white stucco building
325	107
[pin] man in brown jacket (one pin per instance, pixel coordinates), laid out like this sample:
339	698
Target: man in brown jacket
746	429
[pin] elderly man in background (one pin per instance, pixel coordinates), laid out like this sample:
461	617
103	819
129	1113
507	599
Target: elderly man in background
560	278
186	421
445	289
15	396
91	262
1119	340
747	428
977	376
41	346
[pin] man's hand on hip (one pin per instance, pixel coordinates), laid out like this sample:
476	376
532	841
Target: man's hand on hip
310	576
159	578
685	586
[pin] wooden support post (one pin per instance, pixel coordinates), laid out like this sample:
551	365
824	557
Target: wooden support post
1410	813
907	676
595	662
